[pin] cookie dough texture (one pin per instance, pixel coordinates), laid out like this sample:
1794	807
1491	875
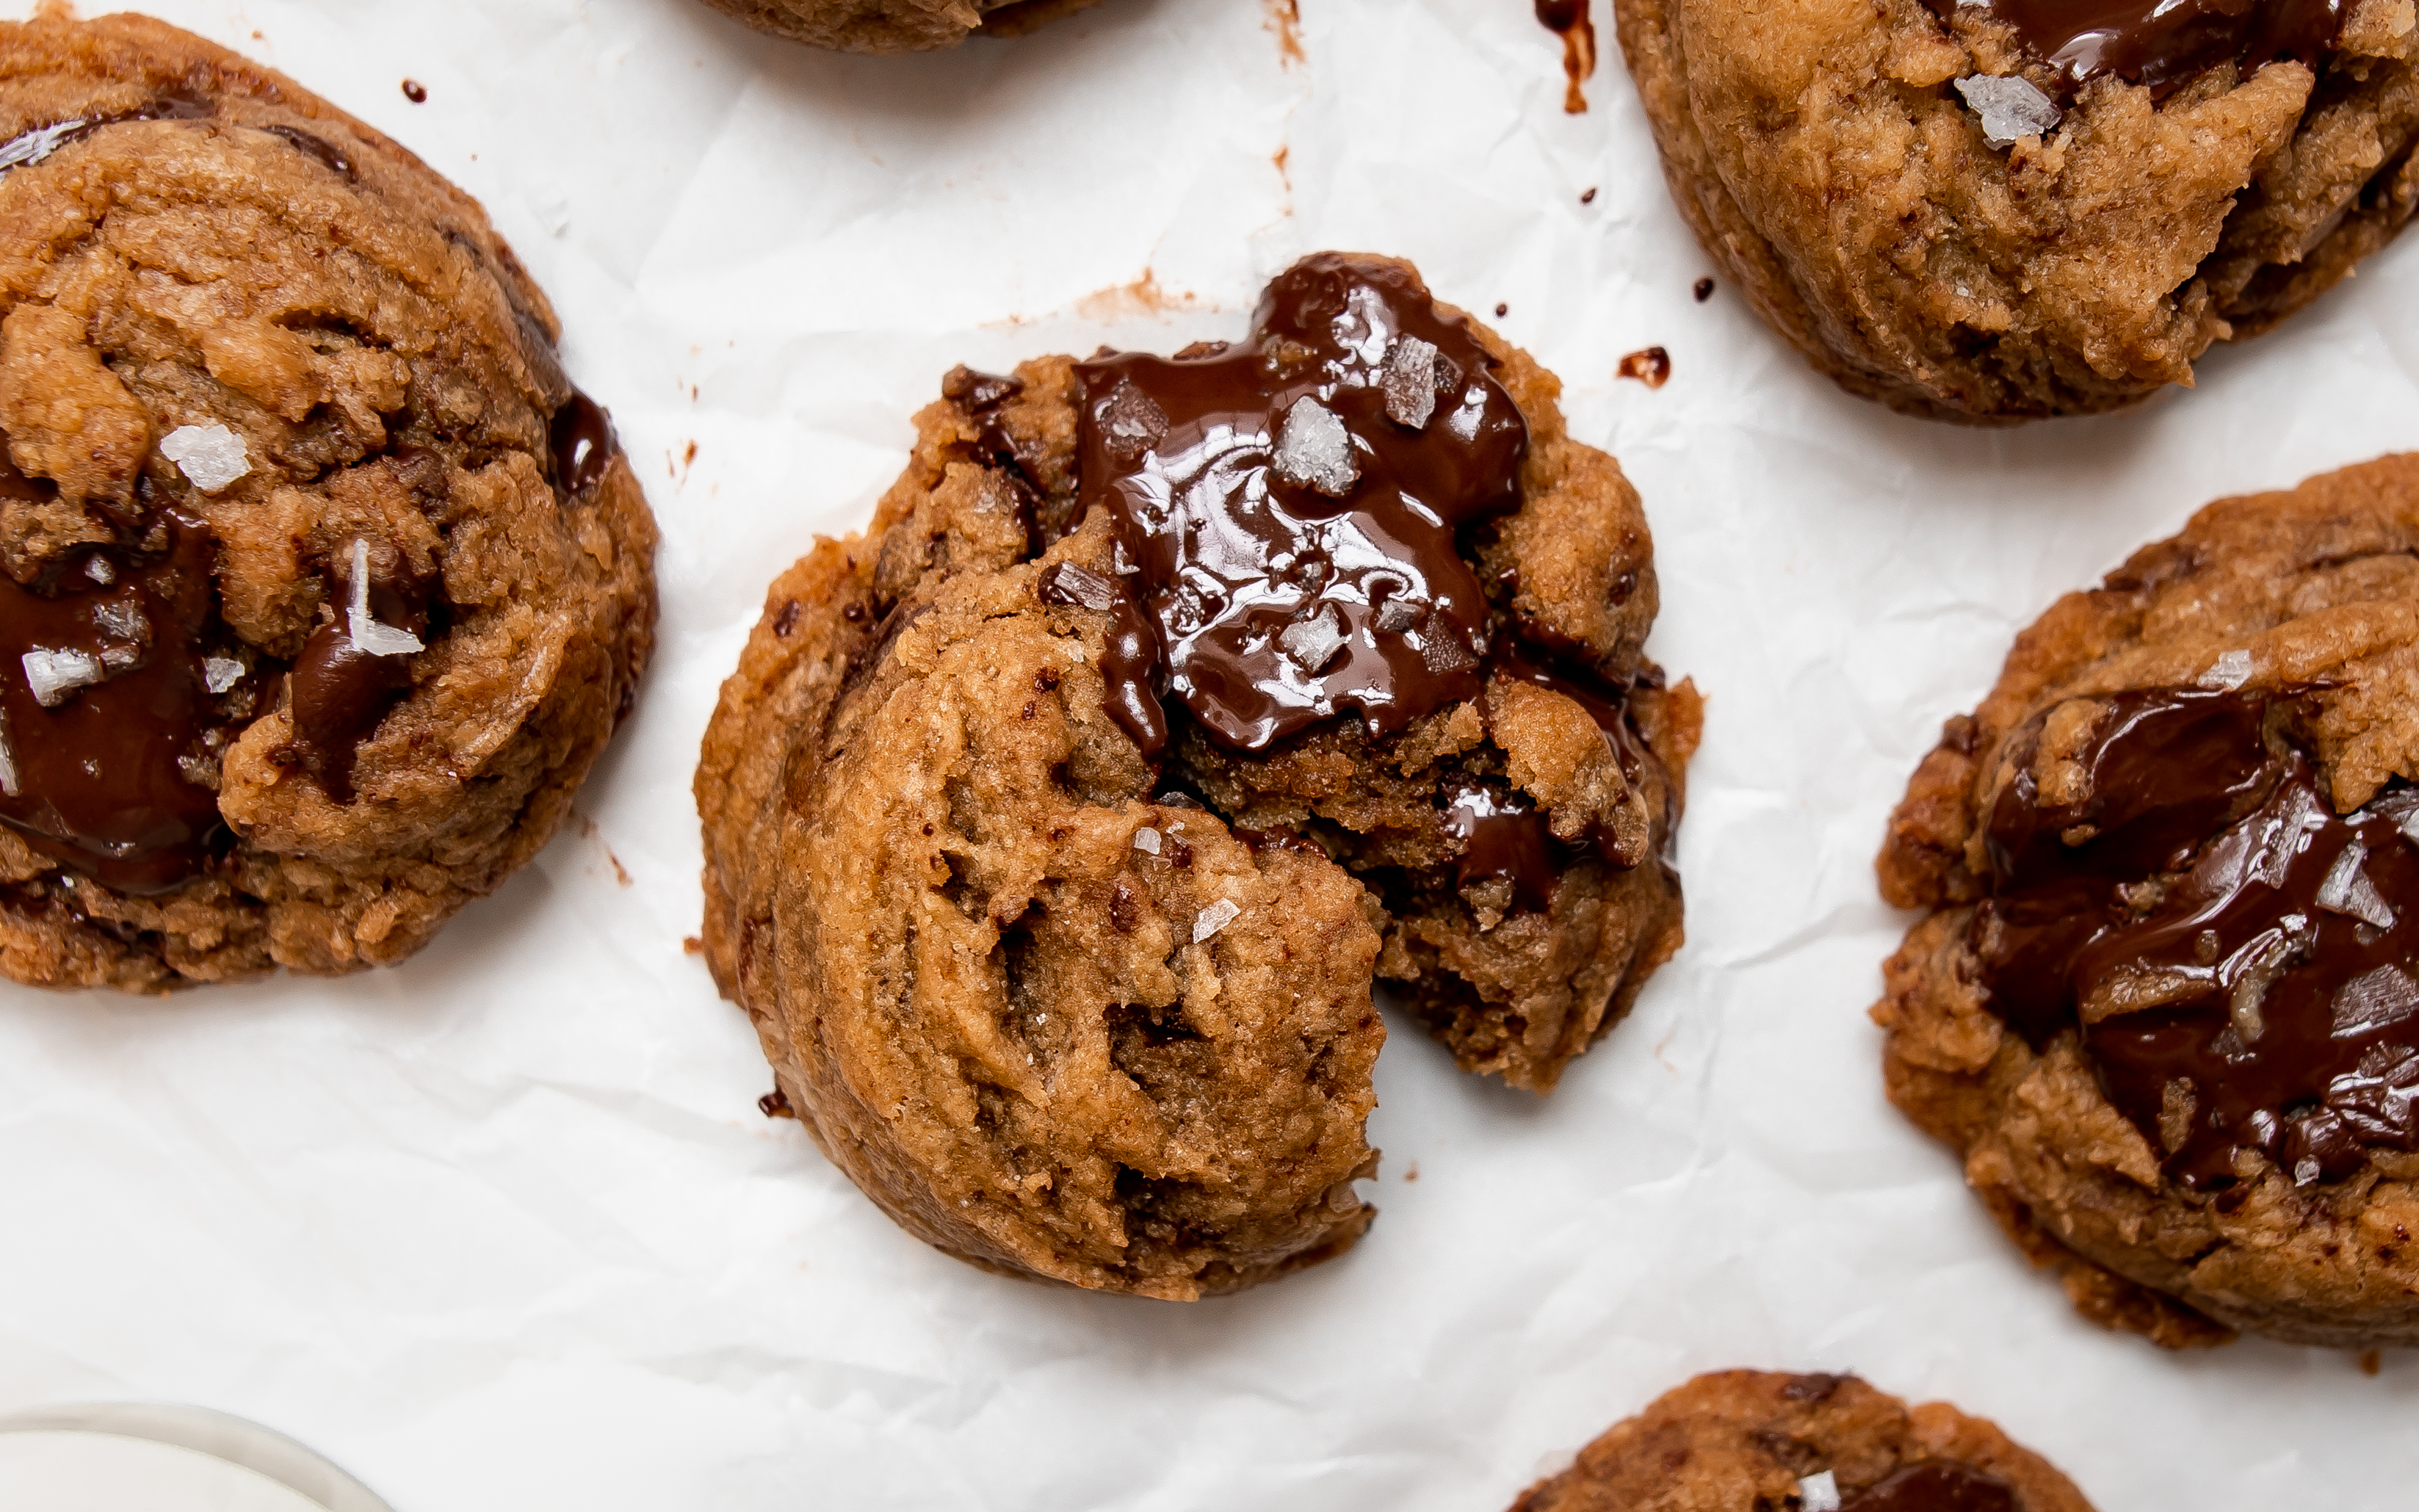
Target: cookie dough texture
1740	1440
1039	1044
2320	586
256	259
1827	162
1051	1013
895	25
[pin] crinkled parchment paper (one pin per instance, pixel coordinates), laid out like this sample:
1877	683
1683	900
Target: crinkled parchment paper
503	1229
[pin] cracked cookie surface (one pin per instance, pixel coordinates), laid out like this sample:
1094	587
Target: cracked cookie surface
2161	1000
2139	203
323	586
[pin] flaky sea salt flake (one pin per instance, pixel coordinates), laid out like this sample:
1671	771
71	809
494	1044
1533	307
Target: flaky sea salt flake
1314	642
41	142
1214	918
53	674
2227	672
2374	1000
1819	1493
211	458
1131	421
370	637
2347	889
1316	450
219	673
2010	108
121	617
1145	839
1410	383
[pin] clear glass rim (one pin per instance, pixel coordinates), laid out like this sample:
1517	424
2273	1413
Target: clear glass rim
236	1440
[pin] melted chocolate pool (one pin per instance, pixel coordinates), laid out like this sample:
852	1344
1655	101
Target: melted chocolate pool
1287	513
2242	962
111	729
2162	44
1290	504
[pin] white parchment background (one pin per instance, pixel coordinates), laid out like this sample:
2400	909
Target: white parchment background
502	1230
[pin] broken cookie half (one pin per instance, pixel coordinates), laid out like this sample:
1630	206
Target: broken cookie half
1057	828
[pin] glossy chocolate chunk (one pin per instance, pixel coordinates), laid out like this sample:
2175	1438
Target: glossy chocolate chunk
1130	664
1935	1486
1609	708
2161	42
1290	504
584	444
340	690
1503	838
112	724
1016	461
2165	769
2265	994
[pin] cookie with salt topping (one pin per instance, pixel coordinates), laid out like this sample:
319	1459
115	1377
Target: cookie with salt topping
2163	997
321	588
1057	828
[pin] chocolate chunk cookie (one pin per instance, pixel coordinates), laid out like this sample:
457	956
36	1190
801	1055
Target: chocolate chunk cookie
2165	996
320	586
1749	1441
2003	209
1056	827
895	25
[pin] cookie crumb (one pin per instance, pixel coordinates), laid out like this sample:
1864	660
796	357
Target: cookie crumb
691	945
1704	291
776	1104
1587	195
415	91
1650	366
1411	1172
1502	310
2371	1361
